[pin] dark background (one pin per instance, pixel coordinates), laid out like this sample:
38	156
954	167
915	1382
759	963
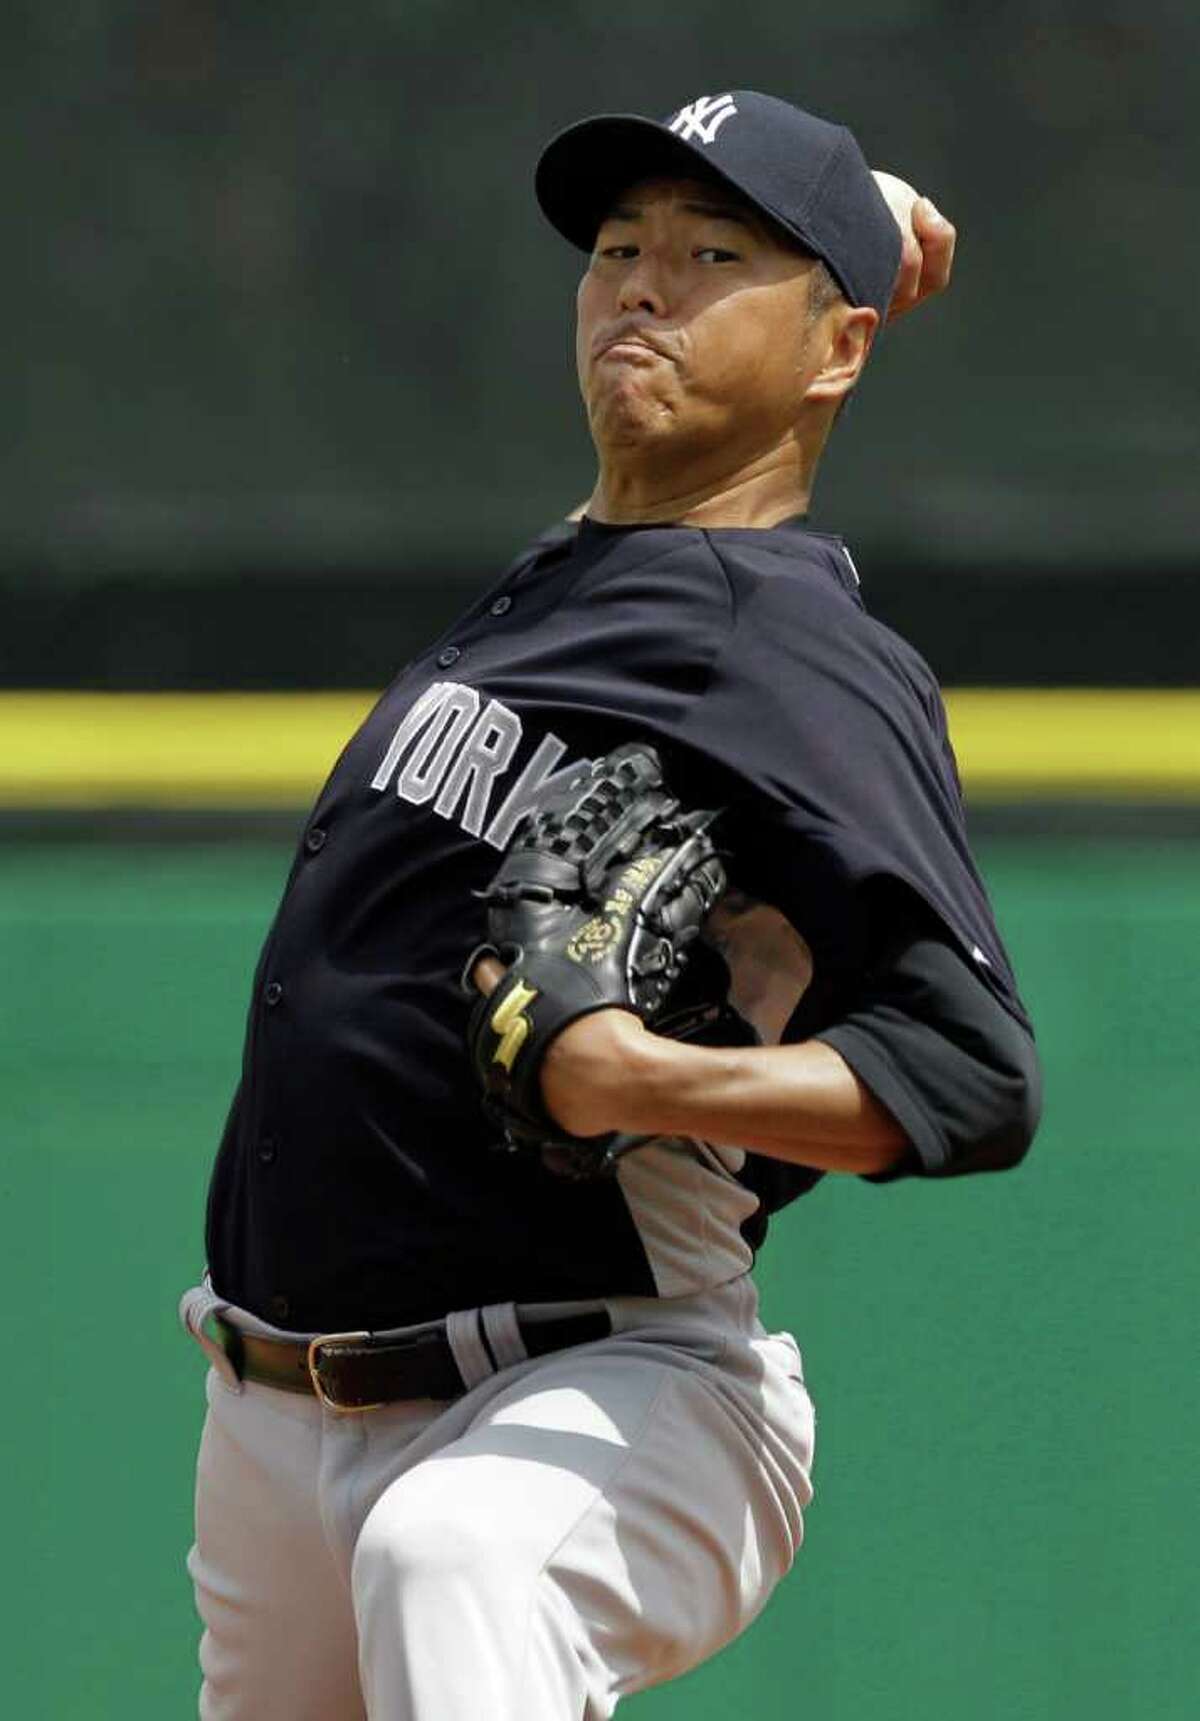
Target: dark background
291	368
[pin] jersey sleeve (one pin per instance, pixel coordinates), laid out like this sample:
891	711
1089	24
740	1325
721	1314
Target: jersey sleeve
826	736
957	1071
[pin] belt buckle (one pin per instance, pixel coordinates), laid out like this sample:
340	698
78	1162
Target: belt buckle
315	1347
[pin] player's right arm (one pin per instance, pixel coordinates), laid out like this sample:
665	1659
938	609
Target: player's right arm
803	1104
927	245
926	1067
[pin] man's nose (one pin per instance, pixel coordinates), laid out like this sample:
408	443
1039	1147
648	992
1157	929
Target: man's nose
643	287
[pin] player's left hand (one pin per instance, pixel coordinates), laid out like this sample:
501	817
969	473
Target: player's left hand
593	913
927	245
587	1073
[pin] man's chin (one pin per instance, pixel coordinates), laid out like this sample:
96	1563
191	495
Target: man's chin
626	416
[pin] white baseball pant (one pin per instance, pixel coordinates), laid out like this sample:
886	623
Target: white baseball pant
572	1529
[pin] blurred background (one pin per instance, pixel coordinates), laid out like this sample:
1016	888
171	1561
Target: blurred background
289	380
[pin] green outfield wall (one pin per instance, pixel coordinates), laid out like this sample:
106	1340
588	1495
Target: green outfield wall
1004	1368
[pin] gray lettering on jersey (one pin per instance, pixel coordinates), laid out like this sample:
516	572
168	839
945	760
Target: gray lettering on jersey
430	758
538	776
414	719
450	748
486	753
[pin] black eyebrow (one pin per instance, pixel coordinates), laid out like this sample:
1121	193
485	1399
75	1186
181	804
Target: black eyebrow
714	211
720	212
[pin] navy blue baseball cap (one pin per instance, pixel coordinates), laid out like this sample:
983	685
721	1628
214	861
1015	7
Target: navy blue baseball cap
806	175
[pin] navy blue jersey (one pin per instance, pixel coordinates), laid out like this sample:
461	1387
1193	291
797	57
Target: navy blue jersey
357	1183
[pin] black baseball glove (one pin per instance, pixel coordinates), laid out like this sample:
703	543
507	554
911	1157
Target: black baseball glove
596	903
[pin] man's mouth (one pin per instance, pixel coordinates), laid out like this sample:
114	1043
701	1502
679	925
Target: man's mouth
628	345
626	350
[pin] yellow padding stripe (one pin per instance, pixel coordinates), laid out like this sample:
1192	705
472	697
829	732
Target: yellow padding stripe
171	749
274	749
1101	743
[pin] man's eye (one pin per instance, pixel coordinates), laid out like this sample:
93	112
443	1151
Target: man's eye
715	254
621	252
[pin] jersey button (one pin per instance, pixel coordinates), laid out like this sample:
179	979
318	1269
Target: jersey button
314	842
272	993
268	1147
280	1308
449	655
502	605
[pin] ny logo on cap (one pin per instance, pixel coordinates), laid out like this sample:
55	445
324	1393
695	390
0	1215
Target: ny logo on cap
703	118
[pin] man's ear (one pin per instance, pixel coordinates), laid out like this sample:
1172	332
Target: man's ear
848	333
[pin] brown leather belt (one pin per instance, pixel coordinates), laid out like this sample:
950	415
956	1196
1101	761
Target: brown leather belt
363	1371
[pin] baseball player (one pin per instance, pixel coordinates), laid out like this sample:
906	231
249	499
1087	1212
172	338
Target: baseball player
499	1433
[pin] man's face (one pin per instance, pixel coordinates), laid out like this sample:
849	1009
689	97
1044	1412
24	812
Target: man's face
693	324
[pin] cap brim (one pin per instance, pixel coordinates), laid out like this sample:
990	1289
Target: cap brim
585	168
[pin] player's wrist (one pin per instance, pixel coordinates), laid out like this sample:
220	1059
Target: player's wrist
661	1085
595	1072
609	1072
